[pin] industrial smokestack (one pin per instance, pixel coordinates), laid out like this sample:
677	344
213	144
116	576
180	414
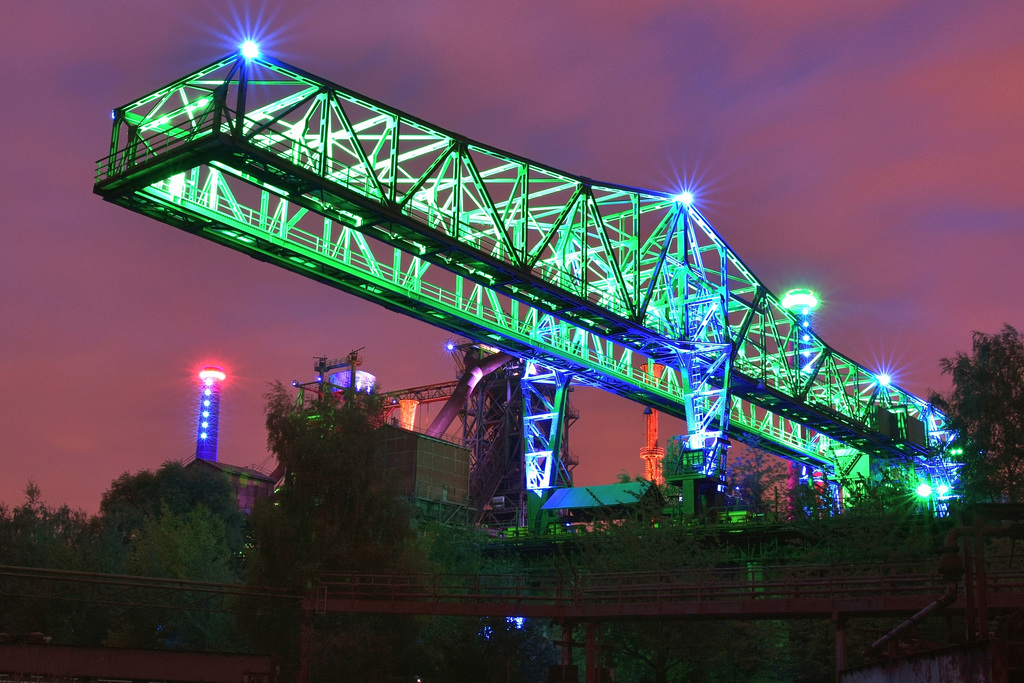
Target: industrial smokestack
209	413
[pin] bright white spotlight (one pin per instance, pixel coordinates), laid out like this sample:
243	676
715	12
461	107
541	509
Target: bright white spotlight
684	198
250	50
884	379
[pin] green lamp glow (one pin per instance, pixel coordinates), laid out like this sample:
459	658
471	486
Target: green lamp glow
800	298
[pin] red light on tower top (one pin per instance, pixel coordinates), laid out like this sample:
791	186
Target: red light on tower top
211	374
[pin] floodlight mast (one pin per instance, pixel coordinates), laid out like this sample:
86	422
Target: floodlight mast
590	280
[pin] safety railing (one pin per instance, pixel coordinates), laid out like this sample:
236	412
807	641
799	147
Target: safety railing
797	582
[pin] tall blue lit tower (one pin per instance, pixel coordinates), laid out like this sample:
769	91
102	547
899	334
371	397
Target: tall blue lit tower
208	414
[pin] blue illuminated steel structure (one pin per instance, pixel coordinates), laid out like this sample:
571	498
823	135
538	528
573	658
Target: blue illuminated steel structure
208	413
543	424
589	280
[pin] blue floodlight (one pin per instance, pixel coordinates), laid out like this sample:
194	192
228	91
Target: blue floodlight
684	198
250	50
884	379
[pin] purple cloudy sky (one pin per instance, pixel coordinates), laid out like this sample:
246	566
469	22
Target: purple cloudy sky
874	153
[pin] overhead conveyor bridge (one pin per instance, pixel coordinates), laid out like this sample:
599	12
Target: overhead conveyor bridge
597	282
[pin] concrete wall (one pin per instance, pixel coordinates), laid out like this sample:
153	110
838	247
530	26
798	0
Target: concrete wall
978	662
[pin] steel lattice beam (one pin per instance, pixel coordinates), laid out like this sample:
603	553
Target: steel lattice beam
587	278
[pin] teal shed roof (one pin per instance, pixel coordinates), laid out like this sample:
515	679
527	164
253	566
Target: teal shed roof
610	495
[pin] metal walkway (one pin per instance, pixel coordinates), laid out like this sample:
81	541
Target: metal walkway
810	591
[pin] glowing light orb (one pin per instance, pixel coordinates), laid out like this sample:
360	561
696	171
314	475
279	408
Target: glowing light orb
804	299
684	198
250	50
942	490
176	187
924	490
884	379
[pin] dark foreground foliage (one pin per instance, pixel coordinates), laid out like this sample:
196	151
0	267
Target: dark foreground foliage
175	523
337	512
986	407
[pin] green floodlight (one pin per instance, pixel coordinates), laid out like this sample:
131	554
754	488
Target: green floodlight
924	490
803	299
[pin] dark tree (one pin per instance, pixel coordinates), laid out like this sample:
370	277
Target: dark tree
191	546
37	535
986	406
487	650
177	523
34	534
759	481
135	501
336	511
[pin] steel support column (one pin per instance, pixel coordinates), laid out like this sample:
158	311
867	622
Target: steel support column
543	426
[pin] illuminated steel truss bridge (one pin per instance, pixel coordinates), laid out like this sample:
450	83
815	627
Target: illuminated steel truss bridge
586	282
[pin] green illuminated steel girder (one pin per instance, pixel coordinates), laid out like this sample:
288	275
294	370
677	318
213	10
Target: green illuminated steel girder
588	278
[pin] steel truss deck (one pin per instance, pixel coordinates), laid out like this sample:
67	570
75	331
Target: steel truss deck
589	279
